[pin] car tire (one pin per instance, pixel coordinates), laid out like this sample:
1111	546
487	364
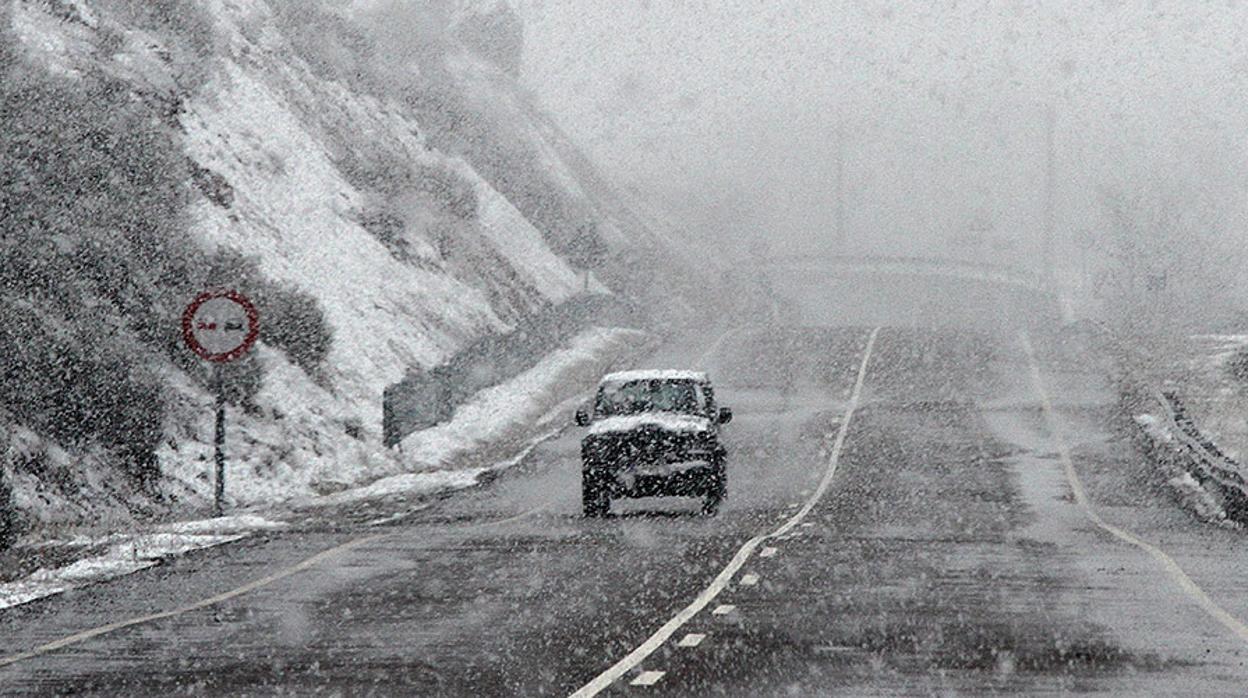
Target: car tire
714	493
595	500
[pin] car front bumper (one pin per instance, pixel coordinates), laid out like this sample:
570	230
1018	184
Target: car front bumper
682	478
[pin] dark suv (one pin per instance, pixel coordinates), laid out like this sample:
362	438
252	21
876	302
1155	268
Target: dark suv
653	433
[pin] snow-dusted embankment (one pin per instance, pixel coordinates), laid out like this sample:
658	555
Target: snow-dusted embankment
1192	495
498	425
126	553
492	431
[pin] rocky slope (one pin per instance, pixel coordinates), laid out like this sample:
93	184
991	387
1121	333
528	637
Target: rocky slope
341	175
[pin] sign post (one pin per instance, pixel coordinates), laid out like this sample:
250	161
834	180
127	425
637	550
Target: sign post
218	440
220	326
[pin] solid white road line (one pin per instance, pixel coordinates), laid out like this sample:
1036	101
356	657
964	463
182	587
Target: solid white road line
660	636
1172	568
210	601
749	580
691	640
648	678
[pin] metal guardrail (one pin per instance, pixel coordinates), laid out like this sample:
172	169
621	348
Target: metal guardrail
427	396
1196	453
1209	462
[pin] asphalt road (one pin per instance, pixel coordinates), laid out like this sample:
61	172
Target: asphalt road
912	519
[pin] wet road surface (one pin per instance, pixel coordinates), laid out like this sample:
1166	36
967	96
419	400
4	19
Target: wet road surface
948	555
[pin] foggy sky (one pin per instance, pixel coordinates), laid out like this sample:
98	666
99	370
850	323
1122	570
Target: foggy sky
720	106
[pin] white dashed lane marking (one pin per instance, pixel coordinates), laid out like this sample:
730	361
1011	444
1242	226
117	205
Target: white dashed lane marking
648	678
749	580
691	640
723	609
630	661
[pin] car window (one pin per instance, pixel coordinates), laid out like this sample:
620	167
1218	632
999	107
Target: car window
636	397
706	403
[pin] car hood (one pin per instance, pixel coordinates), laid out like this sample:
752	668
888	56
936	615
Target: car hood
663	420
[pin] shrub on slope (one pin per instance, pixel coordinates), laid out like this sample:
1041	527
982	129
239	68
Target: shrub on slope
1238	366
96	265
8	514
90	264
290	320
400	52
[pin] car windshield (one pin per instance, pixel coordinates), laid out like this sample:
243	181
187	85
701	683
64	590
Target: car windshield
635	397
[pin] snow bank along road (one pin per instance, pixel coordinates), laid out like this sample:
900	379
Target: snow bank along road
901	519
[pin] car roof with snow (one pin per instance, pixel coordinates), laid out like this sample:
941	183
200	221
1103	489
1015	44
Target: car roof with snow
666	374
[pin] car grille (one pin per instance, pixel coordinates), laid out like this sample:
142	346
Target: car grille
648	444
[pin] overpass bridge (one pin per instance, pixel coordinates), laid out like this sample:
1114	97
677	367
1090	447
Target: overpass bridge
920	266
949	289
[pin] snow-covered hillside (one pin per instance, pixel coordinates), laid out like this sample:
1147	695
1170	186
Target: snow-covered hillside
334	190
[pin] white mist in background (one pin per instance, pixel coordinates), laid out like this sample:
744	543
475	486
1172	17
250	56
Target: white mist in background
729	112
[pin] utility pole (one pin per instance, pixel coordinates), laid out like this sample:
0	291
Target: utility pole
841	235
1050	192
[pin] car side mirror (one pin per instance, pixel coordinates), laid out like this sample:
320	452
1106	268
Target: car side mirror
582	418
725	415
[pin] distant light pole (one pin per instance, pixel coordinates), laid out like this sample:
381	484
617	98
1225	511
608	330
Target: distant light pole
1050	192
841	235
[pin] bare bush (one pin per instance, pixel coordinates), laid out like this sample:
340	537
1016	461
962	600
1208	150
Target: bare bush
1238	365
8	513
1168	268
291	320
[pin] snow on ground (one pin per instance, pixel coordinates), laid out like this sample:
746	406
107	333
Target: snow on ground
128	553
501	415
492	431
279	135
1216	401
436	481
224	525
1190	493
1195	497
407	484
1153	428
305	454
274	131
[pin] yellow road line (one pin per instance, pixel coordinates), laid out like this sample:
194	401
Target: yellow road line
210	601
1172	568
233	593
510	519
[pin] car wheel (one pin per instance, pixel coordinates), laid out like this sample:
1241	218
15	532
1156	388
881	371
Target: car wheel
595	501
714	494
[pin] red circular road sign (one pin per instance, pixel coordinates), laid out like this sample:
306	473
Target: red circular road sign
220	326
